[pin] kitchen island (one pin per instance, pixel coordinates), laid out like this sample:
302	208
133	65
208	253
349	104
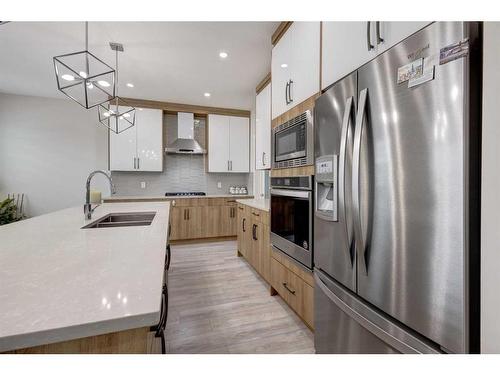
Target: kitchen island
98	290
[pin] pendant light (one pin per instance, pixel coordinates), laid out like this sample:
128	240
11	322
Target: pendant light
83	77
116	114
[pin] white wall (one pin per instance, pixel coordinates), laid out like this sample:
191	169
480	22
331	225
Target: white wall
47	149
490	194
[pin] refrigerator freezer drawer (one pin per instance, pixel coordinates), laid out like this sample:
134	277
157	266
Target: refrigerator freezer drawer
346	325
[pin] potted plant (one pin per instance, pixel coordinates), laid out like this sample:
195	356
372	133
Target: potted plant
8	211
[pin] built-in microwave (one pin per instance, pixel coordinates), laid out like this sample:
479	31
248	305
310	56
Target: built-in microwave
293	141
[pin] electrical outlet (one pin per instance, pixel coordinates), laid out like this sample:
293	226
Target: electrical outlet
143	184
219	185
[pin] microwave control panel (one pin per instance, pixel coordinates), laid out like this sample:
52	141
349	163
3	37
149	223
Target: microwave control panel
326	187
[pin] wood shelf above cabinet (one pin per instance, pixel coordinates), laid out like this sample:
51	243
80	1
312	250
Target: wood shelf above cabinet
280	31
178	107
262	84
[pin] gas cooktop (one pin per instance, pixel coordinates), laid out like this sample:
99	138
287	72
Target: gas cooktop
184	193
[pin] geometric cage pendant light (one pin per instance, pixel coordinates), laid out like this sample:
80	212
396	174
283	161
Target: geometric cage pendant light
85	78
116	114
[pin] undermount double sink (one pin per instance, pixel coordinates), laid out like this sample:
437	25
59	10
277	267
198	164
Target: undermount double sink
122	219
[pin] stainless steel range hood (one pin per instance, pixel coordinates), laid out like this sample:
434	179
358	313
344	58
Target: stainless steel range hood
185	142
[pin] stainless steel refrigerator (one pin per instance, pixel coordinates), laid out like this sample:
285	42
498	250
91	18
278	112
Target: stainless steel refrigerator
397	155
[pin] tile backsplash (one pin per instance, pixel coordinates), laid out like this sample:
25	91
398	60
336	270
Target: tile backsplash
180	172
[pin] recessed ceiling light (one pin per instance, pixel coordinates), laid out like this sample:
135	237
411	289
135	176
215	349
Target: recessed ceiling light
68	77
284	65
207	94
223	55
130	85
126	115
103	83
83	74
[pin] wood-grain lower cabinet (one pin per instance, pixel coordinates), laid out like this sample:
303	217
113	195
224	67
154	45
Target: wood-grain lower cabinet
203	218
244	231
253	239
294	290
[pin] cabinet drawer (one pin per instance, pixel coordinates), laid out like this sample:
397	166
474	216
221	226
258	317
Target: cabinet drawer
259	215
297	293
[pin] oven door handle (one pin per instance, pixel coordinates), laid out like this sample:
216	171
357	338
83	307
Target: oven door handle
291	193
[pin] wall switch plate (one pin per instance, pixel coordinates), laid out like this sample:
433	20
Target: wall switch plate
219	185
143	184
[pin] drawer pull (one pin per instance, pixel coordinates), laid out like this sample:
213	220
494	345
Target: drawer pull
253	213
287	288
231	201
240	208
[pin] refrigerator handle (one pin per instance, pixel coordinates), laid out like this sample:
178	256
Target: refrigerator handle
369	37
361	119
346	128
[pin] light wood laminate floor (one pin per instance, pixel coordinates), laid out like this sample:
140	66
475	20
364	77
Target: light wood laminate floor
219	304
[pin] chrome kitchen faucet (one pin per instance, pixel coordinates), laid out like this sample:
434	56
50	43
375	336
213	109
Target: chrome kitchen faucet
87	208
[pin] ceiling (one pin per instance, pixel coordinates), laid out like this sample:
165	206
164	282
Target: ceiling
166	61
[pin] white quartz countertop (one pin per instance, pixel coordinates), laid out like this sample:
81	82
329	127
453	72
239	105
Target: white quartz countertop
261	204
152	198
59	282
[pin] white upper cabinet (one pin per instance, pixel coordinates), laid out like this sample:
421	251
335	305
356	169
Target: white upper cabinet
239	144
295	66
394	32
281	71
348	45
263	129
139	148
228	144
345	47
150	140
218	143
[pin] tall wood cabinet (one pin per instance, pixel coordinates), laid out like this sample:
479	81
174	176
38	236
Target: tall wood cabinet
228	144
295	66
139	148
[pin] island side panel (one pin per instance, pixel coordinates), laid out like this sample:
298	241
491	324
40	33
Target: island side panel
132	341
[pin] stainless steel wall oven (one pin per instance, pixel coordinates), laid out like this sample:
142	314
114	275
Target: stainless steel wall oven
292	217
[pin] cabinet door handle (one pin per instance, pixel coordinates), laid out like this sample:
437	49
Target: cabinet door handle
368	37
243	224
379	38
189	214
287	288
286	92
184	211
138	163
263	158
290	91
135	163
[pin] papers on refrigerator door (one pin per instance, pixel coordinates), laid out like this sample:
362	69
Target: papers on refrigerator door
454	51
428	72
411	70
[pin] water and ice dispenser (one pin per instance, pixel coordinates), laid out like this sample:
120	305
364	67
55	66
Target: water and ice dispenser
326	187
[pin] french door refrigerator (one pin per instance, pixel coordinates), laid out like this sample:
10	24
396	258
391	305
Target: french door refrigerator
397	154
